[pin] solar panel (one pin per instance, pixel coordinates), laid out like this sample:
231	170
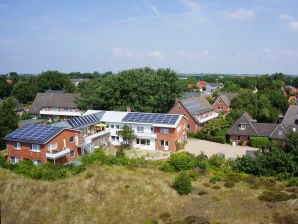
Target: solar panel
151	118
81	121
33	133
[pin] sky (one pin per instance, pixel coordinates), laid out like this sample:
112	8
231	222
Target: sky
187	36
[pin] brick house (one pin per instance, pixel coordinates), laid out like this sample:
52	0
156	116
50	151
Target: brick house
154	131
197	109
223	102
245	127
92	132
41	144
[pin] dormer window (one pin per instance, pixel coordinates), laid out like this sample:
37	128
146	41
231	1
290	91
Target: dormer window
280	132
242	126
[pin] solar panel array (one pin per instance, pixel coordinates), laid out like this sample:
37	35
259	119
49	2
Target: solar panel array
33	133
151	118
191	106
81	121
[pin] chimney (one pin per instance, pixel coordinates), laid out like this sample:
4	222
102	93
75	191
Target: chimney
128	109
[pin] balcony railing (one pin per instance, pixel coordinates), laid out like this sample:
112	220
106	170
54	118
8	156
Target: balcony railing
57	154
88	138
60	113
207	118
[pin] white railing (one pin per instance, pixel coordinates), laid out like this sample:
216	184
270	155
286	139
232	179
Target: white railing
207	118
57	155
145	135
88	138
60	113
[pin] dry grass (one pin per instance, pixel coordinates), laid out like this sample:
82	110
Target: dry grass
121	195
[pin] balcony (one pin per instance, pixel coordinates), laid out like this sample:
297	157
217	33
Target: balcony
203	119
60	113
145	135
88	138
57	154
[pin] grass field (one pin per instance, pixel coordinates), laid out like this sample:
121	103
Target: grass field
115	194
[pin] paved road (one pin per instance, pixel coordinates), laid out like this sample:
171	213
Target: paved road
196	146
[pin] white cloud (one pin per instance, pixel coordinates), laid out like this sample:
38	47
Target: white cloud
293	26
286	17
117	52
242	14
156	54
290	53
134	53
194	6
152	8
193	54
267	50
291	21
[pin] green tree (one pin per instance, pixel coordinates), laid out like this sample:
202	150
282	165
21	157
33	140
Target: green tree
5	88
8	119
144	89
24	91
127	133
54	80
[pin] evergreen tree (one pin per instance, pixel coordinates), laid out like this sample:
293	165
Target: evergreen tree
8	119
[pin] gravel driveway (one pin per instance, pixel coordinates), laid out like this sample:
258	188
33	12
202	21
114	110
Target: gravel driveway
196	146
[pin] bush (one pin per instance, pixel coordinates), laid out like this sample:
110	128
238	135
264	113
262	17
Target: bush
182	161
293	182
259	142
97	156
88	175
214	179
271	196
216	161
182	184
229	184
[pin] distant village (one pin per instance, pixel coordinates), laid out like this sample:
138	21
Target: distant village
59	132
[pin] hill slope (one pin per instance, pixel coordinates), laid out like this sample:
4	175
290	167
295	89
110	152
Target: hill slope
121	195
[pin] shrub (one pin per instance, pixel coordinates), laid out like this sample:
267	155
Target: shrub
88	175
202	161
165	166
293	182
214	179
271	196
182	161
182	184
216	161
193	174
259	142
97	156
229	184
120	151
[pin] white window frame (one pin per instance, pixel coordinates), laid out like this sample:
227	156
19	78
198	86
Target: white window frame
74	154
142	141
52	146
14	159
17	145
164	131
164	143
140	129
71	139
36	162
242	126
35	147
